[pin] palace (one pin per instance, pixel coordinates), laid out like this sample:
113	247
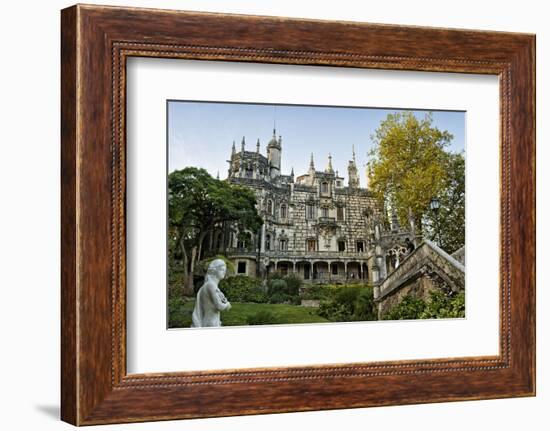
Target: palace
316	225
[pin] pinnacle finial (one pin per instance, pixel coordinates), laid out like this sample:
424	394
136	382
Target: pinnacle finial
242	145
218	175
258	146
311	164
353	152
329	166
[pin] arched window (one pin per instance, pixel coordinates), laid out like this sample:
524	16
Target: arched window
324	188
284	211
283	245
270	206
268	242
324	212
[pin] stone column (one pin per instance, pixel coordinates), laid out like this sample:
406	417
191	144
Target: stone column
262	239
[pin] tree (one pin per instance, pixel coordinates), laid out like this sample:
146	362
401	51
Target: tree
408	164
446	226
197	204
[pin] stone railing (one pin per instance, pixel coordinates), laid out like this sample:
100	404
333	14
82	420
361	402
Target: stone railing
426	255
313	255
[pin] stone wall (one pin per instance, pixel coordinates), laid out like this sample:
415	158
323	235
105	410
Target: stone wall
427	268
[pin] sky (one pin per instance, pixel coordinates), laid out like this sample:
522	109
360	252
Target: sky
201	133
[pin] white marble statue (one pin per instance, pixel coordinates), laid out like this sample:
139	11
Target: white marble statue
210	299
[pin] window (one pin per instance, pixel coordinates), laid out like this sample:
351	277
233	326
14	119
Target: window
270	207
324	212
310	212
283	244
324	188
241	268
268	242
284	211
340	213
311	245
334	269
360	246
341	245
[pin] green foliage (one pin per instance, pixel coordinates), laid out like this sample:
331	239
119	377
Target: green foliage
284	289
197	204
408	163
444	306
293	283
175	280
241	288
319	292
446	227
410	307
348	304
197	200
179	315
277	285
439	306
263	317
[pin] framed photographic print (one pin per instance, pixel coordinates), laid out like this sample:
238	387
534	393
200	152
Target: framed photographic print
264	214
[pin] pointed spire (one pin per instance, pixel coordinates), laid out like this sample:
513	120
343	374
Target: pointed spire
258	146
329	169
218	175
311	164
353	152
292	172
242	145
233	149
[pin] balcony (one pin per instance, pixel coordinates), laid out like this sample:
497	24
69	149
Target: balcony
327	221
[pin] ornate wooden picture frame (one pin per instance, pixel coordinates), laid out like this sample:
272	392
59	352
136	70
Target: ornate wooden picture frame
96	41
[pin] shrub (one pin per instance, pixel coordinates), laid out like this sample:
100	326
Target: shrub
263	317
178	317
440	305
349	304
293	283
410	307
320	292
365	308
279	298
241	288
276	286
284	289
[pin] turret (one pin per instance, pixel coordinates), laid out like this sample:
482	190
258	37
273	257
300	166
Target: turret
329	169
353	174
274	156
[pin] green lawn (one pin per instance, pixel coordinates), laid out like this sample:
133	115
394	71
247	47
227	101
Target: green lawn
240	312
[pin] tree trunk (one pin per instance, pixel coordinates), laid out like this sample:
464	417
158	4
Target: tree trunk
185	265
188	289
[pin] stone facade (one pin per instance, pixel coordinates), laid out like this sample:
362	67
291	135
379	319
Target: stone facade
316	225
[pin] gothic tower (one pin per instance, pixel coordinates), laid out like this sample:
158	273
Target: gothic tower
353	173
274	156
